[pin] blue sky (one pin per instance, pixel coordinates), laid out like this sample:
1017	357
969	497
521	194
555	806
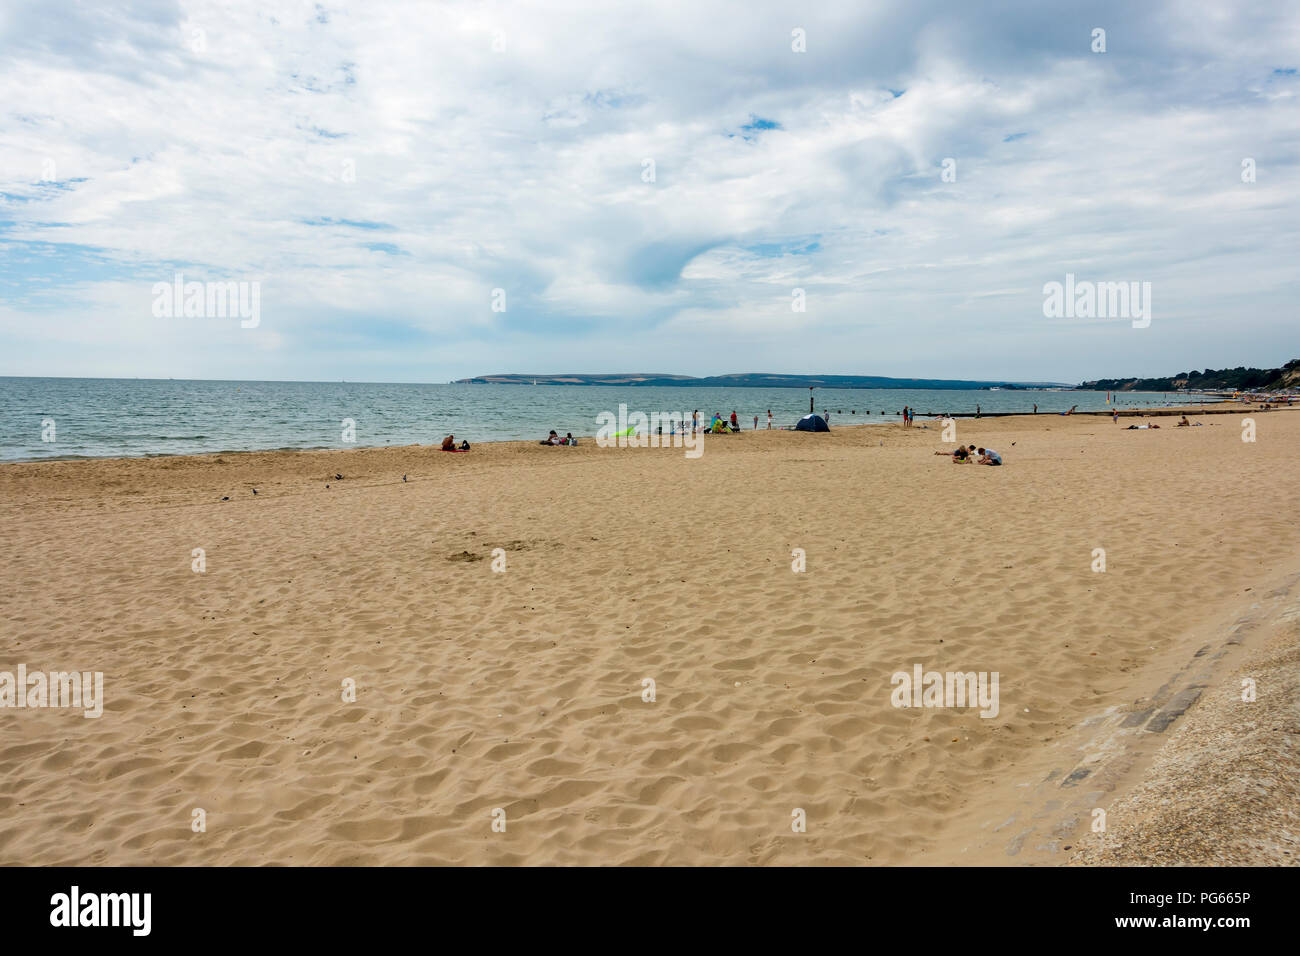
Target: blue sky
381	168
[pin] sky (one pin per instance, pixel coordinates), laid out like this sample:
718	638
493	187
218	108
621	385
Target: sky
421	192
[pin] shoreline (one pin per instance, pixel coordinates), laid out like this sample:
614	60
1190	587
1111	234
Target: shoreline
1161	411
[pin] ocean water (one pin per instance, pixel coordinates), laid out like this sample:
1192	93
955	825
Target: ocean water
95	418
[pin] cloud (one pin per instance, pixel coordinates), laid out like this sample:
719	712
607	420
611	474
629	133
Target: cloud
381	169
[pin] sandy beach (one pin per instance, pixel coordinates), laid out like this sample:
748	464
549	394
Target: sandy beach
522	690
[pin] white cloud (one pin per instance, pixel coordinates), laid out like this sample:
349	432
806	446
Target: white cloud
380	168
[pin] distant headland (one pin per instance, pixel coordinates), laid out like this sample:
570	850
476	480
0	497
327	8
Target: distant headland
748	380
1239	379
1236	379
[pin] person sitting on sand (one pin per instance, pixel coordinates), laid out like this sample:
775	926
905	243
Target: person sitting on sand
449	443
464	446
962	453
551	439
569	439
989	457
1184	422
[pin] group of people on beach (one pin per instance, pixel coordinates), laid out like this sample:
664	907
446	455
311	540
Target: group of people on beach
1267	402
965	454
717	424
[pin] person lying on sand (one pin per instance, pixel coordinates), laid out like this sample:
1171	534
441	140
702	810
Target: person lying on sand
989	457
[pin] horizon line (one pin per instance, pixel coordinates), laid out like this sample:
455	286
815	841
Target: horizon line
539	375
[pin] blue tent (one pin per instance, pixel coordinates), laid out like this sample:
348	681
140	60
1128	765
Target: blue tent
812	423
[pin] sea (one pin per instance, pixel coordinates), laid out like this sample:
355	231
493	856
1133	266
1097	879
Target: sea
51	418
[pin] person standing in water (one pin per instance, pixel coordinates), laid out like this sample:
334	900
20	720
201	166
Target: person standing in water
769	419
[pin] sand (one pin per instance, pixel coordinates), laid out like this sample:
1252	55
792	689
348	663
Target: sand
1225	790
522	691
